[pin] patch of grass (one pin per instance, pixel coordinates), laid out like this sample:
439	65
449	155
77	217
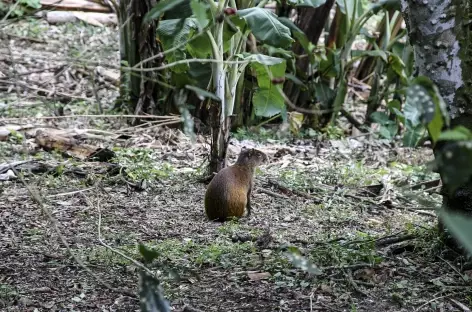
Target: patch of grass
143	164
362	251
175	254
234	227
257	135
8	292
190	254
102	255
261	134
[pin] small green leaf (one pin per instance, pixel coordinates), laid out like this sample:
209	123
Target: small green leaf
148	254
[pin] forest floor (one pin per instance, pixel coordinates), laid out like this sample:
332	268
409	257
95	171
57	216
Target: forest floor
351	206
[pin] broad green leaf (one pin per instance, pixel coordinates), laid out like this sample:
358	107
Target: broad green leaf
261	59
408	59
310	3
298	34
330	67
266	27
399	114
324	94
417	103
350	7
389	130
423	106
432	91
180	79
413	134
200	11
385	5
150	295
200	47
435	126
288	55
160	8
394	104
380	117
202	94
396	66
267	102
262	73
459	225
459	133
197	74
183	10
173	33
200	73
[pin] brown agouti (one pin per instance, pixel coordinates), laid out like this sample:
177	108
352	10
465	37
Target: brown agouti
229	192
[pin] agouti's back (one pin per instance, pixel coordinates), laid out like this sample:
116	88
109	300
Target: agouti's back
229	192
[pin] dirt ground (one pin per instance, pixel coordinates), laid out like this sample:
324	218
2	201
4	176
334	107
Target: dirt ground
377	247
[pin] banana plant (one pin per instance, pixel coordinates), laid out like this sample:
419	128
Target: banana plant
353	23
214	33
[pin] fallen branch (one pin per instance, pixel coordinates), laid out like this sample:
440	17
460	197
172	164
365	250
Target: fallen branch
296	192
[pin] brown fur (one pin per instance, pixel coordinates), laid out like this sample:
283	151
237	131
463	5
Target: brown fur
228	193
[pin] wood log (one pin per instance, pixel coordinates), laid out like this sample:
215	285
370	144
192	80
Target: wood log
75	5
93	18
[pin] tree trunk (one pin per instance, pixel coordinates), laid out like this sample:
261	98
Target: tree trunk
440	34
138	42
219	138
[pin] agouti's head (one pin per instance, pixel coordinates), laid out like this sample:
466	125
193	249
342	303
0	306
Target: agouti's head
251	157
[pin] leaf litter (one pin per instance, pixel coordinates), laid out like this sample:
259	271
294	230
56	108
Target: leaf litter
337	208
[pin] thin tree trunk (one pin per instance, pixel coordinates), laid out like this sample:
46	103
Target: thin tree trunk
219	138
440	33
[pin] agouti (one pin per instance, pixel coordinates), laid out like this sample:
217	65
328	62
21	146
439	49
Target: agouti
229	192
